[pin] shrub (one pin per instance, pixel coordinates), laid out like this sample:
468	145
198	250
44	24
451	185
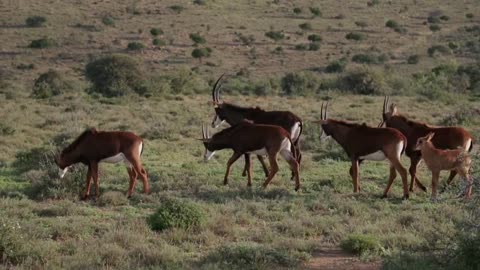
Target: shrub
42	43
156	31
297	10
30	159
361	244
200	2
305	26
316	11
113	198
49	84
473	73
392	24
177	8
336	66
275	35
159	42
461	117
469	15
12	242
108	20
246	40
314	38
435	27
115	75
444	18
413	59
251	255
174	213
35	21
373	3
23	66
300	83
200	53
313	47
364	82
433	19
301	47
369	58
400	30
355	36
438	49
197	39
135	46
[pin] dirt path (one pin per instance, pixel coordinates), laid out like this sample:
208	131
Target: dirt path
336	259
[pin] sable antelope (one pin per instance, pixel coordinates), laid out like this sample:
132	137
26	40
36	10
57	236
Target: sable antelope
362	142
233	114
445	138
437	160
93	147
245	138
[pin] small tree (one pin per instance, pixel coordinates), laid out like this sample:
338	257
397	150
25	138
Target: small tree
316	11
35	21
197	39
200	53
297	10
156	31
305	26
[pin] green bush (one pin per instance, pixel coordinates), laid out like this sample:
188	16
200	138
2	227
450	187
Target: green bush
473	73
251	255
115	75
361	24
313	47
314	38
413	59
158	42
361	244
174	213
355	36
177	8
469	15
369	58
113	198
135	46
433	19
300	83
364	82
108	20
246	40
197	39
444	18
305	26
35	21
435	27
12	242
392	24
297	10
275	35
43	43
462	117
336	66
200	2
200	53
156	31
315	11
49	84
301	47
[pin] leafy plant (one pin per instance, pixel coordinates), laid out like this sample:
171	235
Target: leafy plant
135	46
49	84
275	35
197	38
355	36
35	21
156	31
43	43
174	213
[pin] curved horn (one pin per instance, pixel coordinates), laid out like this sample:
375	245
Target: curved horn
321	113
208	132
384	104
326	111
203	131
215	90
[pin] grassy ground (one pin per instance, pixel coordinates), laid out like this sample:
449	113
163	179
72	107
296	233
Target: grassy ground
243	228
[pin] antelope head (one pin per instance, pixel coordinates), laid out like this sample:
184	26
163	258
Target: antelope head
62	168
209	152
388	111
219	117
424	140
325	124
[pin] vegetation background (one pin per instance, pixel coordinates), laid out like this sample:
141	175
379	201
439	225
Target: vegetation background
148	67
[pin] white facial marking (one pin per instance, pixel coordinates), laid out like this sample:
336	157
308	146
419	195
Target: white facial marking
62	173
217	121
208	155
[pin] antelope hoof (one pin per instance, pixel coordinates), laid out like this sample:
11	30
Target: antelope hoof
249	185
406	197
297	188
384	196
244	173
85	197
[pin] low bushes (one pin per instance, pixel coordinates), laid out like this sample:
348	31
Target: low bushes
49	84
174	213
361	244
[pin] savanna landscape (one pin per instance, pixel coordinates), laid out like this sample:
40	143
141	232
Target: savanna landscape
149	67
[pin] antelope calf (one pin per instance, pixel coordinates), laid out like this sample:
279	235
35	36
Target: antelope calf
445	138
437	160
233	114
246	138
93	147
362	142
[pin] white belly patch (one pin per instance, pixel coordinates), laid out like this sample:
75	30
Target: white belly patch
378	156
116	159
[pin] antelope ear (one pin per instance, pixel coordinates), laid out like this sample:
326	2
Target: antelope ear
430	136
393	109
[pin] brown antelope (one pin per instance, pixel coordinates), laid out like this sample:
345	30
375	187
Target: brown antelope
233	114
362	142
93	147
437	160
445	138
245	138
